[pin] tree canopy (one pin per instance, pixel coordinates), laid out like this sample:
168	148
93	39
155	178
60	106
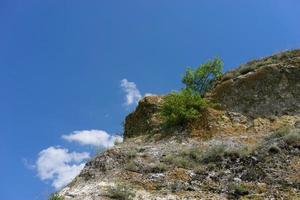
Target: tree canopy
201	79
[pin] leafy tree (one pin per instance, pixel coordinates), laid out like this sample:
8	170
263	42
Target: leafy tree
56	197
201	79
179	108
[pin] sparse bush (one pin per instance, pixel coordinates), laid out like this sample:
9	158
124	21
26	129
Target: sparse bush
200	169
131	153
187	158
201	79
192	153
215	153
218	152
292	138
177	186
239	152
180	108
158	167
132	166
238	189
178	161
120	192
280	132
56	197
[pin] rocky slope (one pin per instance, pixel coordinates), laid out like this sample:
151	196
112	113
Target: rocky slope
247	147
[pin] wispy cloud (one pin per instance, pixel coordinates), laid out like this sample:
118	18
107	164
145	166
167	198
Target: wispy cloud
133	95
149	94
27	164
59	166
96	138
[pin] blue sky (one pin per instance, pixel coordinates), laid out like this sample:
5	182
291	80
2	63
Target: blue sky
62	63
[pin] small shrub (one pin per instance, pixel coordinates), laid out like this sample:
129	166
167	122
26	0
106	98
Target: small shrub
131	153
157	167
180	108
238	189
292	138
187	158
56	197
120	192
239	152
178	161
200	170
201	79
192	153
215	153
244	69
281	132
177	186
132	166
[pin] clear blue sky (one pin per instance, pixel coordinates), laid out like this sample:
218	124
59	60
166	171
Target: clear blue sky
61	63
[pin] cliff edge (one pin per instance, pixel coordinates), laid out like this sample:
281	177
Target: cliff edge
245	147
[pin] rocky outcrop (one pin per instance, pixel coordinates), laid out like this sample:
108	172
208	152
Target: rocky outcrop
144	119
262	88
248	147
265	88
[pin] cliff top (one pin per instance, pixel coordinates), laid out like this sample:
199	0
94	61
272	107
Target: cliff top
246	147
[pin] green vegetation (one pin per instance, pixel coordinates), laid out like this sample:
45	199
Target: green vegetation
132	166
180	108
218	152
120	192
280	132
157	167
292	137
289	136
187	158
194	158
178	161
201	79
215	153
132	153
238	189
56	197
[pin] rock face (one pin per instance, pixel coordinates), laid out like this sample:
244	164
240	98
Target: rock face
247	148
262	88
144	119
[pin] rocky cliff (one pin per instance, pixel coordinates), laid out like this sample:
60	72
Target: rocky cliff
262	88
247	147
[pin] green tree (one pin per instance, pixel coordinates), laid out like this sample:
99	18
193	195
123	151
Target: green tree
56	197
201	79
179	108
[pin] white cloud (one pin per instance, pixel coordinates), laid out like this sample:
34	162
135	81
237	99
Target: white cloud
133	95
59	165
27	164
96	138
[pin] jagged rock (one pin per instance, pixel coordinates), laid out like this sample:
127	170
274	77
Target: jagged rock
262	88
144	119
